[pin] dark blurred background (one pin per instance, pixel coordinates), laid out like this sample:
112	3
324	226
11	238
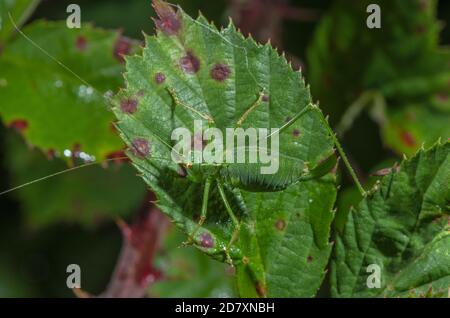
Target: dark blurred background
33	259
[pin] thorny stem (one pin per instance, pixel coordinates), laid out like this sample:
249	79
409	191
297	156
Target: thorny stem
339	149
134	271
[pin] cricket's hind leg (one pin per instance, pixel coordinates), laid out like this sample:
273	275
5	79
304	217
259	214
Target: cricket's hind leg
234	219
204	211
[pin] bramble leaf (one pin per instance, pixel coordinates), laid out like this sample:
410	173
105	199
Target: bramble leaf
220	75
54	109
402	227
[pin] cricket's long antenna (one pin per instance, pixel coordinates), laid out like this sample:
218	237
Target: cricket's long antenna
60	173
54	59
70	170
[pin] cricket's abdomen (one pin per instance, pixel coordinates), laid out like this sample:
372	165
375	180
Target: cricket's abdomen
249	177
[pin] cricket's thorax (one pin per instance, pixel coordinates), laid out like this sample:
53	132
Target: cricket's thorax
248	177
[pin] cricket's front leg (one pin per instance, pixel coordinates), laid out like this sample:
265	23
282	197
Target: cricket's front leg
204	211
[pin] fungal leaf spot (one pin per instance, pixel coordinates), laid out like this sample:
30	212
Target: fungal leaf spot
220	72
160	78
280	224
122	48
169	22
140	147
20	125
189	63
81	43
129	105
407	139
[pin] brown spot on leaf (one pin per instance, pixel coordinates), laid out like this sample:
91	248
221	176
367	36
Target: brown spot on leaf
160	78
122	48
76	150
51	154
420	29
128	105
220	72
265	98
423	4
442	97
261	289
118	156
206	240
310	259
140	147
280	224
81	43
296	133
169	21
20	125
189	63
407	138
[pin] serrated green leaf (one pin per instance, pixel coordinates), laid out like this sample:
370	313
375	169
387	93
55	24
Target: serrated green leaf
290	231
183	58
60	110
403	228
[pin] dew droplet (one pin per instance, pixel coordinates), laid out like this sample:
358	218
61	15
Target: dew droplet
67	153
